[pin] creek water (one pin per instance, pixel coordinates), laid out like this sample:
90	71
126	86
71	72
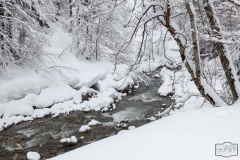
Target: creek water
43	135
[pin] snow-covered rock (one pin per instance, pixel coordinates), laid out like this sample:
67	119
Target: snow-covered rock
151	119
93	122
136	86
156	76
84	128
33	156
73	139
64	140
131	127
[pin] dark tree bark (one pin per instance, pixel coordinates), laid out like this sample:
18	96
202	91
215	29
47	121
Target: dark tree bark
70	8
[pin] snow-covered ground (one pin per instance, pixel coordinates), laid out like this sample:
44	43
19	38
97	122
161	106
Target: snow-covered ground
189	135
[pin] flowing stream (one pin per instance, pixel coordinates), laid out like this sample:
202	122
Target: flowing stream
43	135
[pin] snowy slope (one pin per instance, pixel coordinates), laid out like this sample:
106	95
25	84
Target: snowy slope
57	70
189	135
51	90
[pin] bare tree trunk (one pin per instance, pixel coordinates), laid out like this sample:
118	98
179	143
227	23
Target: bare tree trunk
2	24
196	51
99	21
70	8
58	6
22	38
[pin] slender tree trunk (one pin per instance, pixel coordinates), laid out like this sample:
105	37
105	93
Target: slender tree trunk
22	38
99	21
195	41
2	24
70	8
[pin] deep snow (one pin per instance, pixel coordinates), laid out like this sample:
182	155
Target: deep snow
189	135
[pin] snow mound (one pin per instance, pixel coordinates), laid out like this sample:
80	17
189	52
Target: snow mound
54	94
190	135
22	82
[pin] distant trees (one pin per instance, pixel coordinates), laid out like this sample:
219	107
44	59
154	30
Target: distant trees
96	24
23	24
96	27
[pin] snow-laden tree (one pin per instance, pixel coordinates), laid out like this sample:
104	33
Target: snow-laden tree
23	26
206	32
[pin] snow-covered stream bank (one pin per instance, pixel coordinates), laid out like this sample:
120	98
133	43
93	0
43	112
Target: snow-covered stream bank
44	135
59	86
189	135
